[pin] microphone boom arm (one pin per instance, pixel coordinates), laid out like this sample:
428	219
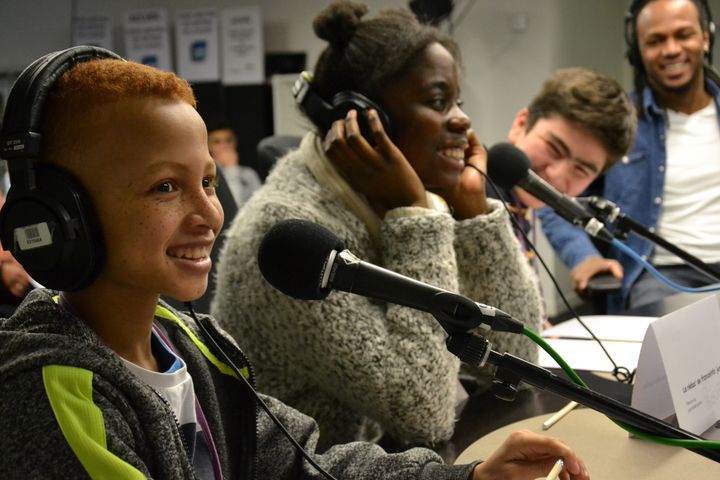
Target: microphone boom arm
509	366
511	370
624	224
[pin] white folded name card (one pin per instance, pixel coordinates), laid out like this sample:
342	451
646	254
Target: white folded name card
678	371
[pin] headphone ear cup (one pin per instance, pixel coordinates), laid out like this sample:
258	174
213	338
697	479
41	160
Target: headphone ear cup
345	101
633	56
53	230
47	222
632	53
323	114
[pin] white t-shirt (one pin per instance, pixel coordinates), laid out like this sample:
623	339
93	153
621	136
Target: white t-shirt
690	209
174	384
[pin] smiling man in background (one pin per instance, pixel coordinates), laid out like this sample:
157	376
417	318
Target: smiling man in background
670	182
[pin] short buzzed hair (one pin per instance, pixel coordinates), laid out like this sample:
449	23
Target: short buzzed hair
95	83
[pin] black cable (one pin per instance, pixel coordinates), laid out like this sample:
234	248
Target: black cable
277	421
621	374
608	211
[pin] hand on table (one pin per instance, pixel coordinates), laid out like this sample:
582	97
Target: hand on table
525	455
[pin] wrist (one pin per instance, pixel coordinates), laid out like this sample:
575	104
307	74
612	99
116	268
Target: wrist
477	471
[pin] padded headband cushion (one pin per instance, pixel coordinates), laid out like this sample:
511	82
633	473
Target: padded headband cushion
27	98
348	100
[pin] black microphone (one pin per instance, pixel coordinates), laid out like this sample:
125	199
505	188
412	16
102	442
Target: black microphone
509	167
306	261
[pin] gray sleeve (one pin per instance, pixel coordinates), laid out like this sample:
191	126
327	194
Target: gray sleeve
37	447
386	362
494	271
352	461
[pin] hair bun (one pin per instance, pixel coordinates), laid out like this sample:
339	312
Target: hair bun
338	22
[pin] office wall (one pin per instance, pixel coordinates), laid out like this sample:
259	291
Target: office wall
509	46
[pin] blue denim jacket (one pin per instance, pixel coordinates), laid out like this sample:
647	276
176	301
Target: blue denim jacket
636	185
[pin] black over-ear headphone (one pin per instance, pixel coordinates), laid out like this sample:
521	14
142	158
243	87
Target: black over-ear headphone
323	114
631	42
48	221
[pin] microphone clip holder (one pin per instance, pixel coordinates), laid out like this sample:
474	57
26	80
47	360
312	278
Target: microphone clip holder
471	349
511	370
457	314
609	212
474	350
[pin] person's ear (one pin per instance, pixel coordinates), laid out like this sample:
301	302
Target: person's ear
519	125
706	41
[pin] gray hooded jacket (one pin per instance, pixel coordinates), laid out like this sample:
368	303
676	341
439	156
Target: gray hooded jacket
69	408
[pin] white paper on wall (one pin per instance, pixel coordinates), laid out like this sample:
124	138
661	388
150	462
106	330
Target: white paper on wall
242	46
197	44
93	30
147	38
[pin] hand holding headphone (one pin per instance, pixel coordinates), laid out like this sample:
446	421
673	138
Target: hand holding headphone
323	114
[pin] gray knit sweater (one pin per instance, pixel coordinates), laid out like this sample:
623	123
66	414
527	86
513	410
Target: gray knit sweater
137	431
361	367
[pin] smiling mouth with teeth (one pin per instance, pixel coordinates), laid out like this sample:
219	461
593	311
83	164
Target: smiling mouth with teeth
674	66
454	153
190	253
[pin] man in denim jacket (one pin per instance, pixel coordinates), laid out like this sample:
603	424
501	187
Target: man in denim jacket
676	97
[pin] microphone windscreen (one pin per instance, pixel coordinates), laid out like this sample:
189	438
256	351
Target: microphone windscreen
507	165
292	257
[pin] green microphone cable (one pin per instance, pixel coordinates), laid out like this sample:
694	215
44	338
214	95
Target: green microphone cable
675	442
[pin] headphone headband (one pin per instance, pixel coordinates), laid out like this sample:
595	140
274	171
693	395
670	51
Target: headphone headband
311	104
19	137
323	114
48	221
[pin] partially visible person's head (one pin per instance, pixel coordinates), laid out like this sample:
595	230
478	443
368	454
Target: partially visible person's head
578	126
130	133
667	42
410	70
221	138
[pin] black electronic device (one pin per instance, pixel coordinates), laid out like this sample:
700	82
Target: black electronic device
603	283
304	260
431	12
509	167
48	221
324	113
